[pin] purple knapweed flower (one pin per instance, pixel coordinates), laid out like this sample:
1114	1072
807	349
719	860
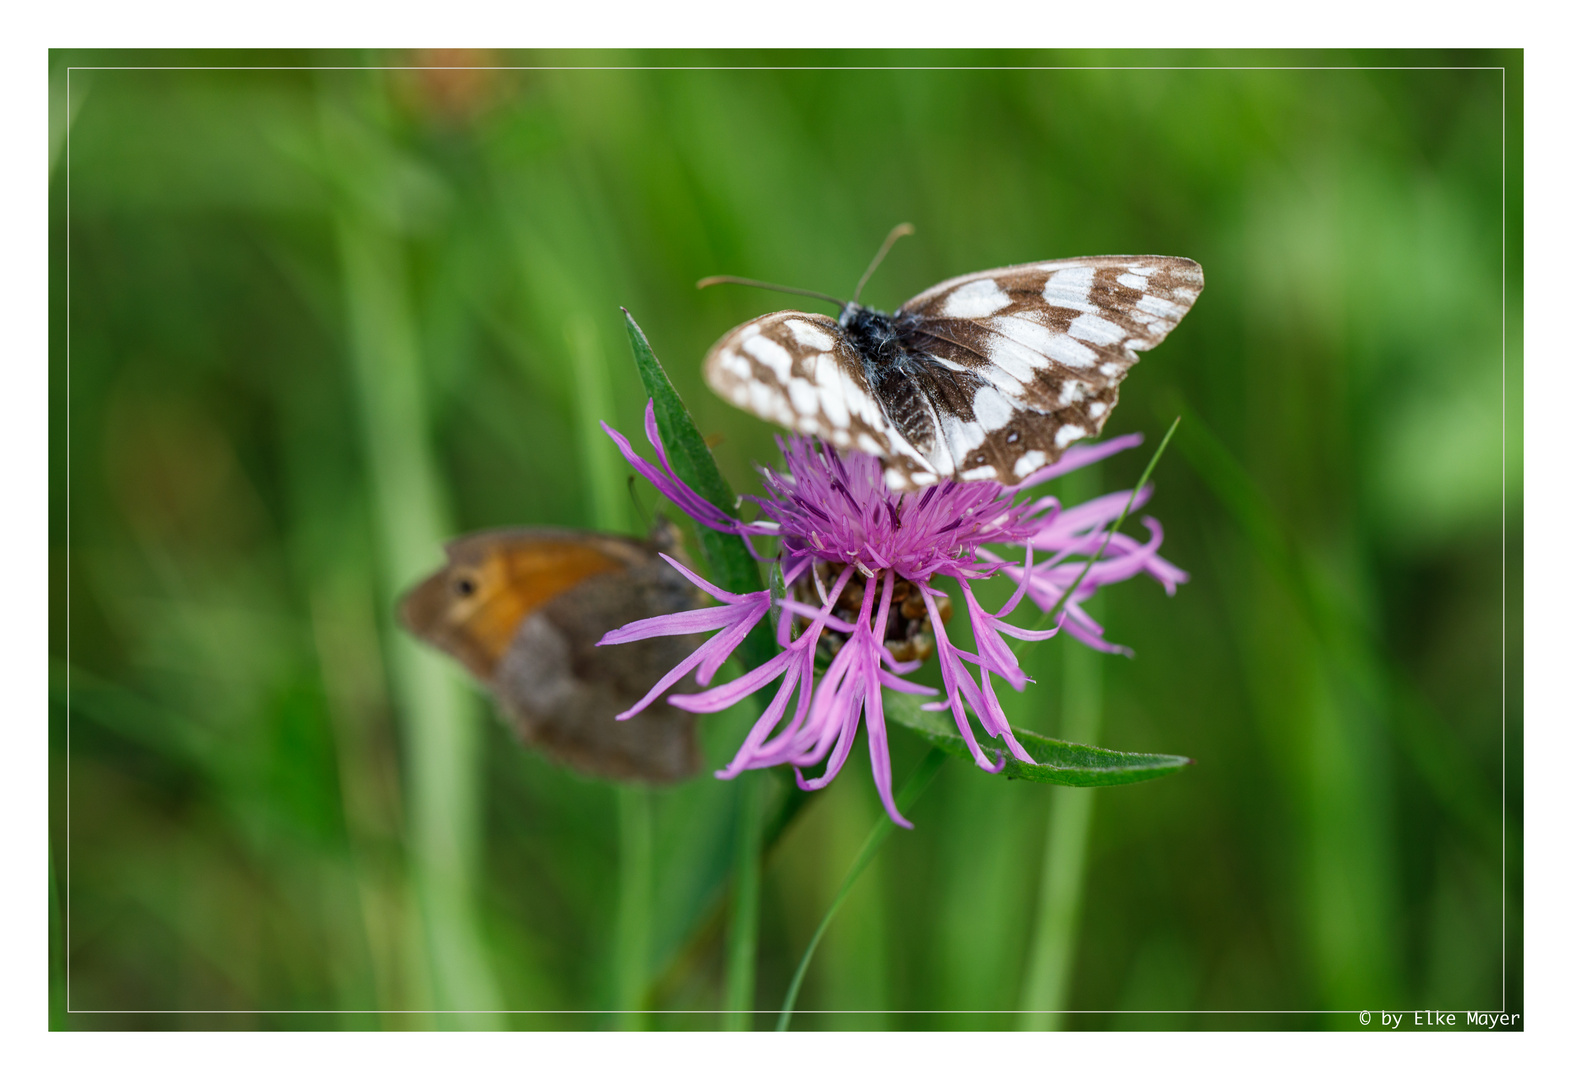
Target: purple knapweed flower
859	564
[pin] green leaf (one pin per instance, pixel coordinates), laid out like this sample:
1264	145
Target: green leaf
732	566
693	463
1056	762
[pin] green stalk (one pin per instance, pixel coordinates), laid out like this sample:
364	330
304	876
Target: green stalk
910	792
608	506
603	466
1046	985
636	889
440	724
1045	989
742	941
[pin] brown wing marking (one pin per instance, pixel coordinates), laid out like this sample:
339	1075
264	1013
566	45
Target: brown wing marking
799	371
1022	361
1054	340
473	606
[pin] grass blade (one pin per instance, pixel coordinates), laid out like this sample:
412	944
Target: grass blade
441	725
1046	987
1049	615
742	940
910	792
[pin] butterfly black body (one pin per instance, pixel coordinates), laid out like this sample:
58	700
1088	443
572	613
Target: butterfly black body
989	376
897	364
876	336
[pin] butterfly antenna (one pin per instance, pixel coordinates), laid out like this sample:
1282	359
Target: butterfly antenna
727	279
905	228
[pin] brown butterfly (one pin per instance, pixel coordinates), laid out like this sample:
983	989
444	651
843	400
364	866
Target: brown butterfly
522	609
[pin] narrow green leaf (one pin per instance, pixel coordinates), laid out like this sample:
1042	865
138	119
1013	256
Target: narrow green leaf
690	455
1056	762
910	792
733	567
742	941
693	463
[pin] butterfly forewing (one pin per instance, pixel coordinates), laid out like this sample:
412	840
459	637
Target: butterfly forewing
1107	302
800	371
996	373
1043	347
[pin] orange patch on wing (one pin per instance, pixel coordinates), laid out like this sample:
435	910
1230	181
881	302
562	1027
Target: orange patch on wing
518	578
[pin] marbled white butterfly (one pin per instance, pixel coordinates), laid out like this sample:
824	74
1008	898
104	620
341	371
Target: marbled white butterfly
987	376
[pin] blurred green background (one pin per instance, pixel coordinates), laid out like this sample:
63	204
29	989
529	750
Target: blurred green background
307	323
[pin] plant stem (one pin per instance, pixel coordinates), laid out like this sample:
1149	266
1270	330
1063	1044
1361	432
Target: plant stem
608	510
1045	988
634	805
910	792
603	466
742	941
1047	984
440	725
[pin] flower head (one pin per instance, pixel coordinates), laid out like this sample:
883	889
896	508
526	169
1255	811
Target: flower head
859	563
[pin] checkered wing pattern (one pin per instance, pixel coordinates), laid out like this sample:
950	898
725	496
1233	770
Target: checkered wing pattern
989	376
802	372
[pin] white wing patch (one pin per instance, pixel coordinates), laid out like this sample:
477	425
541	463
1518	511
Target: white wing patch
991	409
770	354
832	399
1070	288
810	336
1096	330
1030	462
1069	352
976	300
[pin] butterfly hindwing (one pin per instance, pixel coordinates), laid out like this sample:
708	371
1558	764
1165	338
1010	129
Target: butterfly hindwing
996	373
